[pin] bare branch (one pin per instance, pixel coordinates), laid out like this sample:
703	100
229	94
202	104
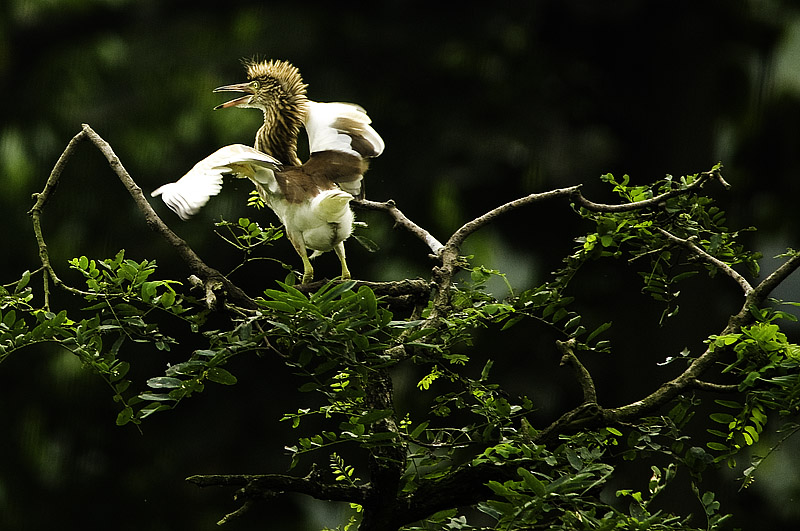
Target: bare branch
468	228
765	287
581	373
400	219
719	264
36	216
246	506
715	387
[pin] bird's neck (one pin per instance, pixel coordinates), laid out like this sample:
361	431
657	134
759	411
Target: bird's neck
278	136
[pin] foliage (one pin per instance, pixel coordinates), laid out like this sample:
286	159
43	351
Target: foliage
464	453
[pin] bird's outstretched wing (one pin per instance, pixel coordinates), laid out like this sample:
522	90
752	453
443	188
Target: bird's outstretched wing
190	193
341	140
341	127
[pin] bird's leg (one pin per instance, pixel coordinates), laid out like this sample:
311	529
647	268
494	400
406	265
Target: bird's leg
300	246
339	249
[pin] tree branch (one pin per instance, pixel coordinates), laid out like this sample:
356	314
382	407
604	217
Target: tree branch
450	254
691	376
402	294
581	373
387	463
210	276
765	287
36	216
715	387
400	219
256	486
653	201
719	264
468	228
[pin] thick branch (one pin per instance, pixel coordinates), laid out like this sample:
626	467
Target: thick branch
463	487
400	294
765	287
261	485
581	373
387	463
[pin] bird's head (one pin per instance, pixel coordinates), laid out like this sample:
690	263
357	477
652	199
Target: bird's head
270	85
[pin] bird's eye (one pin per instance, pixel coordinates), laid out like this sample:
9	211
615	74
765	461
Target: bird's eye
255	84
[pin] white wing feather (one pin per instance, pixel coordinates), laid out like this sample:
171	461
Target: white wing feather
190	193
331	127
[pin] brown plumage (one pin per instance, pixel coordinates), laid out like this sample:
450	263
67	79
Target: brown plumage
312	198
284	101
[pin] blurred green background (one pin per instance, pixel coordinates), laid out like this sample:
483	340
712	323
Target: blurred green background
479	103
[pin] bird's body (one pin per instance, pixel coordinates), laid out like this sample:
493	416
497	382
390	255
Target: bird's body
311	199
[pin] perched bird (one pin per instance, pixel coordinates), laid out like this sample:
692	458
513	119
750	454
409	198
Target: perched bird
311	199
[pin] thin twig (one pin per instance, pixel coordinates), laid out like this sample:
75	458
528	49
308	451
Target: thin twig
719	264
246	506
36	216
400	219
715	387
653	201
468	228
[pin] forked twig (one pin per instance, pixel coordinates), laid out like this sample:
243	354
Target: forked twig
196	265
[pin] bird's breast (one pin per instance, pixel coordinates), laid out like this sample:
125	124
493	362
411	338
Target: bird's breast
321	229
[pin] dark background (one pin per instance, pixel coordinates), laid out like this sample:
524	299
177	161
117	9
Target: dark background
478	104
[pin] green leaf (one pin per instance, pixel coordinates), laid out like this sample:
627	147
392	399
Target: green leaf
23	281
572	322
164	382
294	292
419	429
186	367
221	376
373	416
599	330
332	290
574	459
367	300
501	489
279	306
722	418
159	397
125	416
532	482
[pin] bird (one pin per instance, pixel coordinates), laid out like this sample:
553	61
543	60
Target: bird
311	198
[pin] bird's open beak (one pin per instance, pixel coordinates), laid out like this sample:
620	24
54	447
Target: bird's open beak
240	87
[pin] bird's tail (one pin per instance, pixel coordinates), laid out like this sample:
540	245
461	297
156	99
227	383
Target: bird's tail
332	204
